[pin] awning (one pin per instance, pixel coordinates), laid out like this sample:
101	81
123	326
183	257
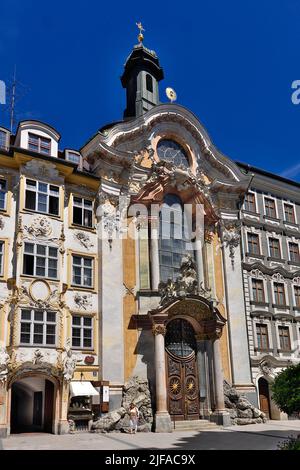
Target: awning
82	389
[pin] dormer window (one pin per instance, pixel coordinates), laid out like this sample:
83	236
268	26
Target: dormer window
4	139
39	144
73	157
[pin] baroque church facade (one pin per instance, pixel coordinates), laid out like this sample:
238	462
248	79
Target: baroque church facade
92	291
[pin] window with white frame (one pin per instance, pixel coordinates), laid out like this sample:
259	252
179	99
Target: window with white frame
270	207
3	194
294	252
289	213
73	157
82	271
82	211
1	257
284	338
297	296
258	293
42	197
279	293
82	331
38	327
3	139
39	144
250	204
274	248
40	260
253	243
262	337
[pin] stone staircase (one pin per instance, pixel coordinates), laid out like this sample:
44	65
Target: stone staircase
194	425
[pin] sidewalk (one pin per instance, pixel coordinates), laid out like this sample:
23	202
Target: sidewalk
251	437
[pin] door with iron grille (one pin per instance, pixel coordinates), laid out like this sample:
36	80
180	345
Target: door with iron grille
182	373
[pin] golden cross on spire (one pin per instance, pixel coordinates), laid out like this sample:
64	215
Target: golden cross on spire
140	36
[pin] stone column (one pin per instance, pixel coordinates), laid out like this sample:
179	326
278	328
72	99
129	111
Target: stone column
199	262
203	378
162	419
220	415
3	410
63	425
154	255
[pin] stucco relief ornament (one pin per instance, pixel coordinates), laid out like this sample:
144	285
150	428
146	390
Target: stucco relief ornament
69	362
112	210
266	368
42	169
83	239
185	284
40	227
2	224
4	361
37	357
83	301
231	237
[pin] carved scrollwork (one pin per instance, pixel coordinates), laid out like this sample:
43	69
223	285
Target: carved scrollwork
84	239
4	364
231	236
39	228
83	301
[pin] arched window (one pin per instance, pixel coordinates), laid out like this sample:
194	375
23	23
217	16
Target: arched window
172	240
149	83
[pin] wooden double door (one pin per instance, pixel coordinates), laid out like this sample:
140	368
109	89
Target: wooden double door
264	397
182	371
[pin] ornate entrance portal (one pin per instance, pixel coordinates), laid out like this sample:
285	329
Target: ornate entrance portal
182	374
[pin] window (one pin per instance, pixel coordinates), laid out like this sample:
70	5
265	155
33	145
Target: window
253	243
274	247
82	330
170	151
40	260
38	327
250	202
3	194
289	214
74	157
39	144
297	295
1	257
149	83
270	207
279	294
258	290
284	338
3	140
82	212
294	252
172	242
82	271
262	337
42	197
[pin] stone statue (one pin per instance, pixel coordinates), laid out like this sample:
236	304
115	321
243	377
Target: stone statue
69	363
4	360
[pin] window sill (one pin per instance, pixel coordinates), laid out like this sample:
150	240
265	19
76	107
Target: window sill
40	278
297	308
30	211
263	350
245	211
5	212
272	219
293	224
82	288
285	351
82	227
285	307
294	263
258	303
255	255
277	260
37	346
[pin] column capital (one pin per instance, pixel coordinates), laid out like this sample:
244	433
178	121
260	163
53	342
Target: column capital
159	329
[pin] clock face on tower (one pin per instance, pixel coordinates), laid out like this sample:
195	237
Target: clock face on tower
171	151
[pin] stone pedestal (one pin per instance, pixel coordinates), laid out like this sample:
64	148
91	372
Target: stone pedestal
63	427
162	419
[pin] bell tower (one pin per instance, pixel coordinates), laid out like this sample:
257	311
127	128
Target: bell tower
141	76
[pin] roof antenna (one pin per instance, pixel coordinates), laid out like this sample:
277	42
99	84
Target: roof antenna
13	100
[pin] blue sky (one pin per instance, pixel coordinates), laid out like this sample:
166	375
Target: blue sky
232	63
